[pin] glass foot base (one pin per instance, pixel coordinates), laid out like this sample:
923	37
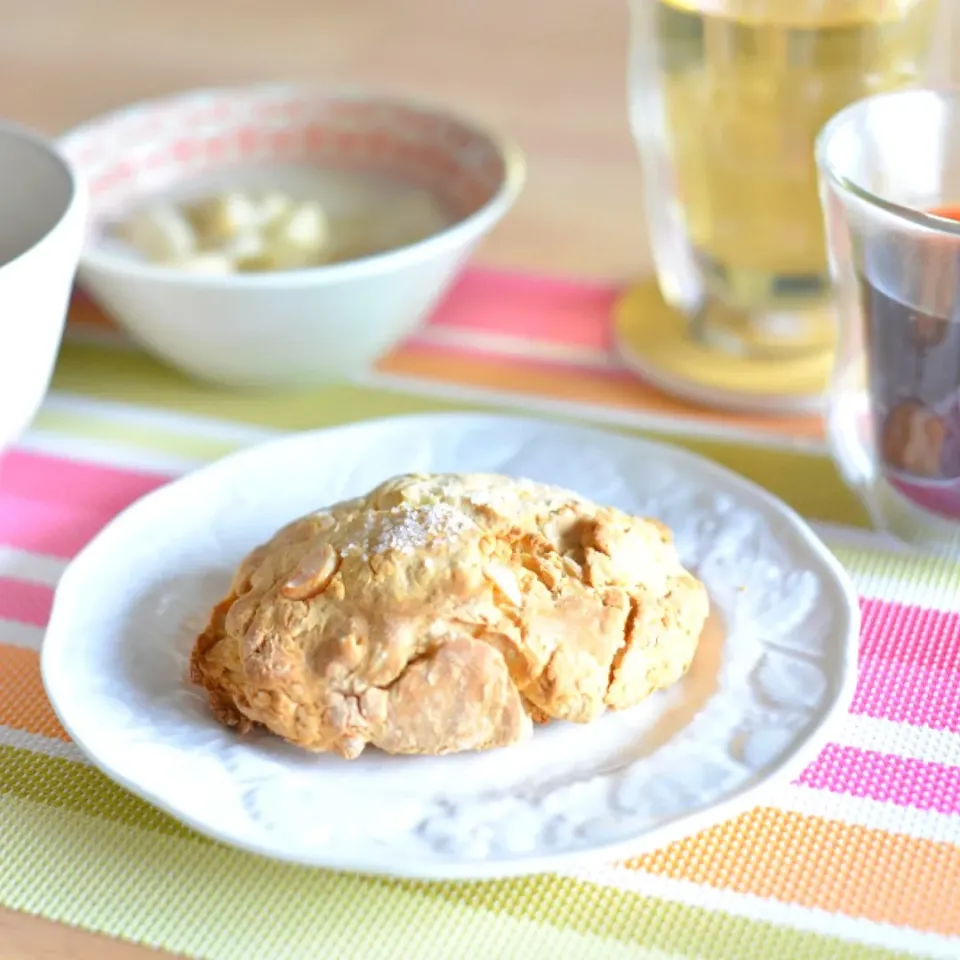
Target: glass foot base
656	342
772	337
911	523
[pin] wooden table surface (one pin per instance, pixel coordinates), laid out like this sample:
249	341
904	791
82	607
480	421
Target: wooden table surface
550	72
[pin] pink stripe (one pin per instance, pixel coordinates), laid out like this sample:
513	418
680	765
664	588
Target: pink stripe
908	634
890	779
55	506
32	476
25	602
906	693
555	311
55	529
909	665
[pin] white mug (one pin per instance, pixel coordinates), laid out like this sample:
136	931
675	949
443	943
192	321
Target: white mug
43	210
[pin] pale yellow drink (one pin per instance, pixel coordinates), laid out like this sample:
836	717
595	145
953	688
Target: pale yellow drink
746	85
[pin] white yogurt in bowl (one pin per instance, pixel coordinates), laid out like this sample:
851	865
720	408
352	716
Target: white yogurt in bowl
407	191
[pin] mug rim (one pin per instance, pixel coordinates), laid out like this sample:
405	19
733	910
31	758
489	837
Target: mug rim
928	221
75	201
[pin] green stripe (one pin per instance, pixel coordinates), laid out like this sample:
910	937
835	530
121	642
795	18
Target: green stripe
130	377
930	571
671	927
215	903
72	831
140	437
65	785
809	483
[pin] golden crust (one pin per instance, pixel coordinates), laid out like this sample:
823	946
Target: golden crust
448	612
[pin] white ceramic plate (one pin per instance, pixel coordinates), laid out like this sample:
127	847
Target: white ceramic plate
775	668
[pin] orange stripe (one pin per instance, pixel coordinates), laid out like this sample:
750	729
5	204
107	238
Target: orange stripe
84	312
833	866
579	386
23	702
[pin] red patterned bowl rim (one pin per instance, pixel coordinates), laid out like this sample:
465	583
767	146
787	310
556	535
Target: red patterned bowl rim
471	227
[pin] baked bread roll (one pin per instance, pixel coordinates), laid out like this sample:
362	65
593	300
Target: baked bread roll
448	612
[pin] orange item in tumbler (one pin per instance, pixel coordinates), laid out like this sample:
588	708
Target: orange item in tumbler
948	213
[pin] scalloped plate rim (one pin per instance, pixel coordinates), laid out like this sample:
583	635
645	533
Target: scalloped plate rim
804	749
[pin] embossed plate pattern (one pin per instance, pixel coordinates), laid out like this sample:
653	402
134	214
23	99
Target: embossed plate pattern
775	667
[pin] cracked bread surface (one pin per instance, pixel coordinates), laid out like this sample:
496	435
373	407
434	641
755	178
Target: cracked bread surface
448	612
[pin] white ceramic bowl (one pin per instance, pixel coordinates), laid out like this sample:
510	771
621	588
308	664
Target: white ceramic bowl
297	327
42	209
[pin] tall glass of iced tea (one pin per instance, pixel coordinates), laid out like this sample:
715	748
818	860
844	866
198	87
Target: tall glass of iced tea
890	171
726	99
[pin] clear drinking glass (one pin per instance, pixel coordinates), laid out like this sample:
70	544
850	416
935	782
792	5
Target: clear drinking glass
890	182
726	100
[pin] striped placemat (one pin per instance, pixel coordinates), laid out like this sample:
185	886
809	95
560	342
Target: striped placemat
536	343
858	858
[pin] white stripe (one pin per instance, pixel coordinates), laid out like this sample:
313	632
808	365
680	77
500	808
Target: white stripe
939	591
588	412
866	813
901	739
48	746
930	594
140	415
862	538
510	346
751	907
105	453
16	634
227	431
32	567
